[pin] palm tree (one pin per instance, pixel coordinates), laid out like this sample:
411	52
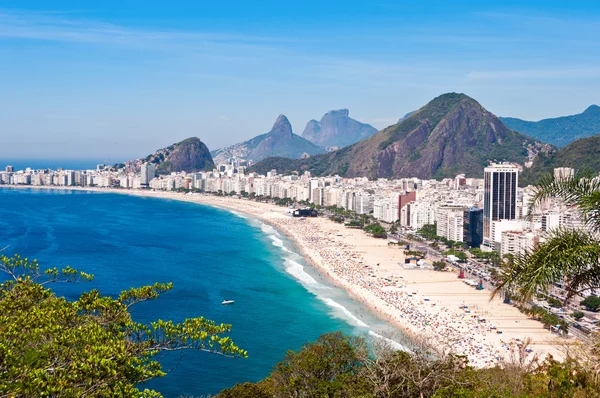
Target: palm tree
569	255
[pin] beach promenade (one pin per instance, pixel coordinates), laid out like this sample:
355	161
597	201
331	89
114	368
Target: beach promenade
435	307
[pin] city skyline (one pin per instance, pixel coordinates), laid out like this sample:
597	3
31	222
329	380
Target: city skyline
105	81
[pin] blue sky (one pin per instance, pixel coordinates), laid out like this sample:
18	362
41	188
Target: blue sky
115	80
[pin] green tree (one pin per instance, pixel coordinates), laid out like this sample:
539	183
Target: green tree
554	302
328	367
578	315
376	230
90	347
262	389
572	255
462	256
439	265
428	231
592	303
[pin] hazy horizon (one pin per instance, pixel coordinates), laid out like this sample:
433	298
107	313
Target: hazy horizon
114	81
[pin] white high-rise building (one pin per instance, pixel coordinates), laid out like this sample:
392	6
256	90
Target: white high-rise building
147	174
500	197
449	221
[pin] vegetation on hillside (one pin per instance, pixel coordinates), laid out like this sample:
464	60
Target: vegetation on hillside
342	366
452	134
583	155
90	347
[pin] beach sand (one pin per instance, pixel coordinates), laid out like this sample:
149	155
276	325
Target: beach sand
425	304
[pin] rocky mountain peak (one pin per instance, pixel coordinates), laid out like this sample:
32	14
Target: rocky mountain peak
281	127
452	134
592	109
189	155
337	129
338	113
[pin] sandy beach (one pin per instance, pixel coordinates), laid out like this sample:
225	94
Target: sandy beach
433	306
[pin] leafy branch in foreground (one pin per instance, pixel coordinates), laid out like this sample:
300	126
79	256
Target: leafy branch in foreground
89	347
569	255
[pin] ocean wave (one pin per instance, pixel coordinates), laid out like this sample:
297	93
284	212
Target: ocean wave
392	343
277	242
297	271
353	319
267	229
240	215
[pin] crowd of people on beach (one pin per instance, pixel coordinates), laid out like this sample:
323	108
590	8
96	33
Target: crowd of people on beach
462	330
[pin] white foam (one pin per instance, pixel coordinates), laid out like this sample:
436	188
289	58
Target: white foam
353	319
268	229
276	241
297	271
392	343
238	214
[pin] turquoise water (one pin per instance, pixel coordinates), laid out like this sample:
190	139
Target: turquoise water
209	255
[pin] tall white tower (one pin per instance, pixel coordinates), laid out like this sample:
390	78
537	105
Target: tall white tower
500	197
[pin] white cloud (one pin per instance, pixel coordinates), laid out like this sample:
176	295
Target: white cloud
565	73
53	27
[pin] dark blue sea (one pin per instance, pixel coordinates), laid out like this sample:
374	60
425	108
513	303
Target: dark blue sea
209	254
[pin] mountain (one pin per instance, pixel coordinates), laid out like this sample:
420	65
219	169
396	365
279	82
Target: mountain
280	141
405	116
560	131
450	135
337	129
189	155
581	155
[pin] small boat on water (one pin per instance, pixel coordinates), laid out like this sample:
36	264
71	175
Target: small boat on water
227	302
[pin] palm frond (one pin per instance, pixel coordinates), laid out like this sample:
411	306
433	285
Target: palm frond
572	256
581	192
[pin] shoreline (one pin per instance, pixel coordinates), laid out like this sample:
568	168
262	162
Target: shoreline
423	305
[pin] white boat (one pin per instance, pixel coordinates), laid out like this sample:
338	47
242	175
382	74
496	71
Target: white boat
227	302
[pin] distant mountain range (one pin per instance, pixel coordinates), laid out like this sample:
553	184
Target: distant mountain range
559	131
189	155
280	141
337	129
405	116
583	155
450	135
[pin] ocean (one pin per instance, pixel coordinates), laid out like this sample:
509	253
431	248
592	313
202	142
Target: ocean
209	254
53	164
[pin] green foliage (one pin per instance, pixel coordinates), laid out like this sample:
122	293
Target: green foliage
571	253
345	367
548	319
475	137
462	256
592	303
376	230
428	231
578	315
262	389
554	302
326	368
439	265
414	253
492	257
354	224
90	347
